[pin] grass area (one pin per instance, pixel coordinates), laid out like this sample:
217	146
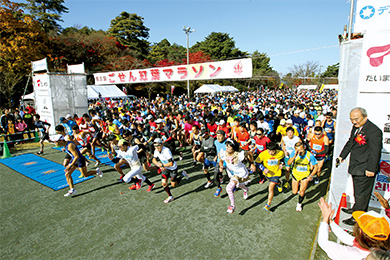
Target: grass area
106	220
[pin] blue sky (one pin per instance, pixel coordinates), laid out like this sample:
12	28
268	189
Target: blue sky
279	28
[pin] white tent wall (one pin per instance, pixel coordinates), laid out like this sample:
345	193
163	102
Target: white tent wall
69	95
350	56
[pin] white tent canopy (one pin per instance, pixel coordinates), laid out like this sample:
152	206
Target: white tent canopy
215	89
306	87
29	96
110	91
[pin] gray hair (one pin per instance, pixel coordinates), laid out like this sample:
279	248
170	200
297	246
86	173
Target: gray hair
362	110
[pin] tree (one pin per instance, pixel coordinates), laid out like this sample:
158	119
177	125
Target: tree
331	71
159	51
130	31
47	12
260	64
219	46
308	69
21	41
197	57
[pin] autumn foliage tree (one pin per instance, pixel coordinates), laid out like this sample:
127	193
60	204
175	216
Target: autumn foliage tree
21	41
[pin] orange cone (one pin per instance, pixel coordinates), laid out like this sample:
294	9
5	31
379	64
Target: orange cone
343	204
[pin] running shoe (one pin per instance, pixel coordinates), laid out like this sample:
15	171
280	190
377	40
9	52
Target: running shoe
183	149
121	179
299	207
280	187
180	158
40	152
99	172
138	185
208	184
185	175
133	187
261	181
169	199
70	193
286	185
246	194
150	188
230	209
218	192
159	171
97	163
86	163
316	180
266	207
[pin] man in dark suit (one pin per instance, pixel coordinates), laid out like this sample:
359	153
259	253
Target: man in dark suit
364	146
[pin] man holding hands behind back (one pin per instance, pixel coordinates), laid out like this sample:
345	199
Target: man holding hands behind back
364	146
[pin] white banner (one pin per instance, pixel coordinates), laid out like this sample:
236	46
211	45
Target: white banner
374	96
43	100
241	68
372	15
78	68
39	65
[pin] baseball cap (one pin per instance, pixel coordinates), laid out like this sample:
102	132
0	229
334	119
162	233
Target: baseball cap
149	117
157	141
283	121
289	121
68	116
62	119
372	224
221	122
159	121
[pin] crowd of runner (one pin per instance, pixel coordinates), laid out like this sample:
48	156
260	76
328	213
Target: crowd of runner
238	135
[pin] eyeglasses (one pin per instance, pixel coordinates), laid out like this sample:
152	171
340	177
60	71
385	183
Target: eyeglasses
157	145
259	134
318	133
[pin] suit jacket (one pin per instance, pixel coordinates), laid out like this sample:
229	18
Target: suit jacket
364	148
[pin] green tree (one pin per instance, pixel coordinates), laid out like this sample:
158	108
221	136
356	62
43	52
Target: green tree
219	46
261	64
159	51
47	12
130	31
331	71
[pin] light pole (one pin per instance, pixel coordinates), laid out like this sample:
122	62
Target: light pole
188	30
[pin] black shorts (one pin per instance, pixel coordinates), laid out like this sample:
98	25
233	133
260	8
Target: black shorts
45	136
67	157
143	159
80	162
169	173
88	146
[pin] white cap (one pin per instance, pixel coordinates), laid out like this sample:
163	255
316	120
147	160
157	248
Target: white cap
159	121
221	122
289	121
68	116
157	141
149	117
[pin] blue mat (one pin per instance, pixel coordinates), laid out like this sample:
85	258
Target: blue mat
39	169
101	155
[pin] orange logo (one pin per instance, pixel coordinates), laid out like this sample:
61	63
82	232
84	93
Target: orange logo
48	172
29	163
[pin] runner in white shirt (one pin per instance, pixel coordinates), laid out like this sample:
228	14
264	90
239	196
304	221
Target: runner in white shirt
129	153
167	166
288	146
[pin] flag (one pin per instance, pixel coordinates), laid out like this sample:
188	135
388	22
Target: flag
172	89
281	85
322	87
124	90
249	86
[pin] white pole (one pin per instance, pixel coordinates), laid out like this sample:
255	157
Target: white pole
350	20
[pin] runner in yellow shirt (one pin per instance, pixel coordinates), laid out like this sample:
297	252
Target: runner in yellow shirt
270	162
